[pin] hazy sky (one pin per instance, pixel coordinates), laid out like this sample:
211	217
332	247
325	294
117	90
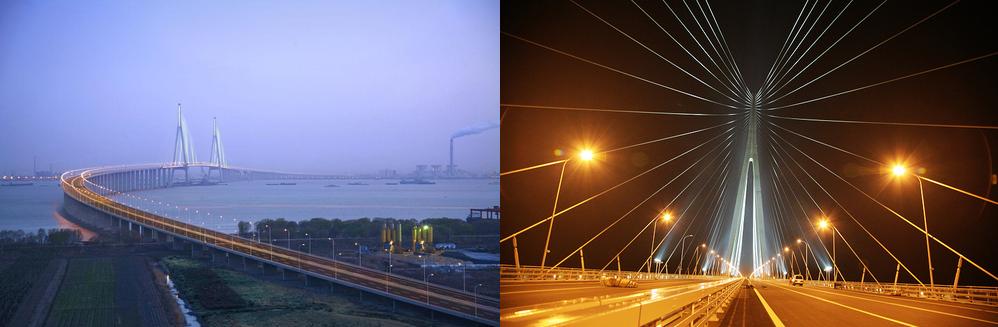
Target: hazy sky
324	86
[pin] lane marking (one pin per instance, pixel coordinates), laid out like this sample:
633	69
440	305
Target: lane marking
846	306
966	306
772	315
912	307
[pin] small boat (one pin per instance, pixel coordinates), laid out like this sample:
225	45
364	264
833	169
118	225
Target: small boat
416	181
391	183
356	183
282	183
332	185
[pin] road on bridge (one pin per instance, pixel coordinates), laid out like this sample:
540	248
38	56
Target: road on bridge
819	306
414	290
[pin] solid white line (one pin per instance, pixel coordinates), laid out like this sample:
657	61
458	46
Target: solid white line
772	315
846	306
910	307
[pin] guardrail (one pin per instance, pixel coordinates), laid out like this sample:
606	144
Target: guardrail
457	302
508	272
686	305
982	295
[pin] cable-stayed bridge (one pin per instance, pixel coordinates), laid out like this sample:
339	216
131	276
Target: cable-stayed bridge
97	197
747	194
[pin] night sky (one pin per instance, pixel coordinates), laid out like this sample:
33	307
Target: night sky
755	32
309	86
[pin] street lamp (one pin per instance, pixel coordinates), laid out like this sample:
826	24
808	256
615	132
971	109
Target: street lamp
658	265
899	171
585	155
807	248
464	277
358	254
476	299
682	253
824	224
309	240
665	218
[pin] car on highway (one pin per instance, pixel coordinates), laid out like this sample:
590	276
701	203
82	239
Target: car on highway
616	281
797	280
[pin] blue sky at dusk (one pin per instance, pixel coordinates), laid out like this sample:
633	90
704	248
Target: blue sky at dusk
323	86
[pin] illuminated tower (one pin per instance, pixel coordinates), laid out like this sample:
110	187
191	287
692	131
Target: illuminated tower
749	193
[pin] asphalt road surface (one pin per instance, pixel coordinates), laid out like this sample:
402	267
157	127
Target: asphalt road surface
817	306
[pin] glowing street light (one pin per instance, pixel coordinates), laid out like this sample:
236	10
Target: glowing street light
585	155
824	224
666	217
898	170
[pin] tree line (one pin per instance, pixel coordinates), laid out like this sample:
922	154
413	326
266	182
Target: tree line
54	236
444	229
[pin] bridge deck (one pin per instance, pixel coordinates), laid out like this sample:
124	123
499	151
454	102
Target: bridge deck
445	299
820	306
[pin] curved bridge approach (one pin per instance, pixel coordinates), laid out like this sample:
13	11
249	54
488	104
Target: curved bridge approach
90	192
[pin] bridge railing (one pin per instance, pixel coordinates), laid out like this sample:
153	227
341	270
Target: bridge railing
480	308
984	295
684	305
509	272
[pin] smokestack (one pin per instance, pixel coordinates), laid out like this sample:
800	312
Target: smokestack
34	160
450	167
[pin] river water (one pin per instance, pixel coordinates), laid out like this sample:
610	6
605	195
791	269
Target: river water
220	206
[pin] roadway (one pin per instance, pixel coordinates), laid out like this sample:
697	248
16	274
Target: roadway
819	306
516	293
416	291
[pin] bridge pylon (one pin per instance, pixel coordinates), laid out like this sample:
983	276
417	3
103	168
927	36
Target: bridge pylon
217	161
183	150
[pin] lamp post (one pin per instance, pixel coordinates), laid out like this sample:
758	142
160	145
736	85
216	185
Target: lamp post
271	241
658	265
309	240
899	171
825	224
464	277
666	217
333	254
476	299
682	253
700	253
358	254
807	248
585	155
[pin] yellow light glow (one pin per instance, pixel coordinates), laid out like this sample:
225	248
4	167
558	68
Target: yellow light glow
798	241
586	155
666	217
823	223
898	170
786	249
